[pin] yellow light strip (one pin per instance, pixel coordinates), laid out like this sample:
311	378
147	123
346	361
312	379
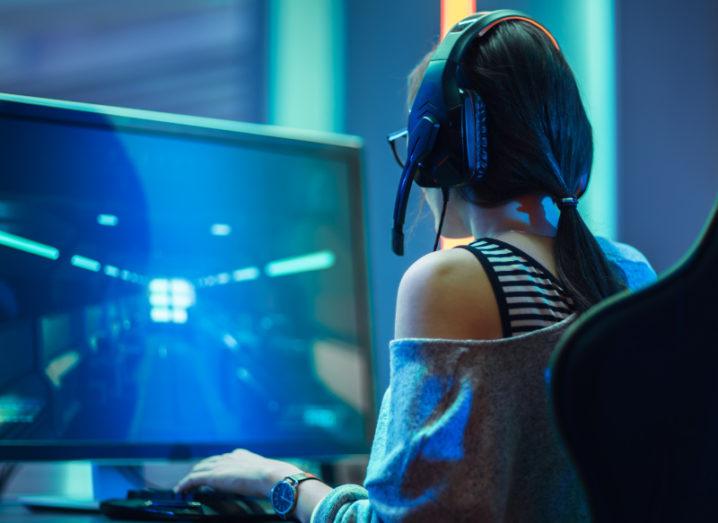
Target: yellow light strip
451	12
454	10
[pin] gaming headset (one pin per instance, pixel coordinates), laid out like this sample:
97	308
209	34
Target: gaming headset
447	144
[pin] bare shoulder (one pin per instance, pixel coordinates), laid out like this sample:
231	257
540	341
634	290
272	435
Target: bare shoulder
446	294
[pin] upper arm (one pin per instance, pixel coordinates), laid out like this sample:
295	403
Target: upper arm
446	294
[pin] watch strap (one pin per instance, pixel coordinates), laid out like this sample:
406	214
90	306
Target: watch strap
296	479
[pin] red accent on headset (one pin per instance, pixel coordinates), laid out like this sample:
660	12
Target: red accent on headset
532	22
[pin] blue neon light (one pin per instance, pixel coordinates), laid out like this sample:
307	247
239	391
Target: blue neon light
85	263
29	246
309	262
230	341
220	229
246	274
111	270
108	220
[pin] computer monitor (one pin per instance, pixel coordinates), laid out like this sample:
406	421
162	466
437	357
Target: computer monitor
173	287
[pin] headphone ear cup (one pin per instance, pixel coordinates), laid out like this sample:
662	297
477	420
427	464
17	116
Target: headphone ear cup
474	136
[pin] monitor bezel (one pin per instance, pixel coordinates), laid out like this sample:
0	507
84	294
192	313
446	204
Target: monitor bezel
345	147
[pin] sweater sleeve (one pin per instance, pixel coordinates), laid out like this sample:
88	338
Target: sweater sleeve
416	440
455	426
637	271
346	503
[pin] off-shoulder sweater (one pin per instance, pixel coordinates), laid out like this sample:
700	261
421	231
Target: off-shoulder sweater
464	431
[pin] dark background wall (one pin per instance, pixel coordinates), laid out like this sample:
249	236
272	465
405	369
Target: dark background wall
668	123
182	56
384	42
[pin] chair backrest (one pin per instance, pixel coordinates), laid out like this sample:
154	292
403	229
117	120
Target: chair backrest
634	384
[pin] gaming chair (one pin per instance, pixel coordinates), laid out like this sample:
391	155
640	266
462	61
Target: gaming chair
634	384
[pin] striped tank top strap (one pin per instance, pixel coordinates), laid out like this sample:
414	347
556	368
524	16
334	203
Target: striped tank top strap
495	285
529	297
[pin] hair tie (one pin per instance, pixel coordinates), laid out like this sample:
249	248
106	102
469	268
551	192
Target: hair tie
567	202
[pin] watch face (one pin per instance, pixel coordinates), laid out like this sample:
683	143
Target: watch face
283	496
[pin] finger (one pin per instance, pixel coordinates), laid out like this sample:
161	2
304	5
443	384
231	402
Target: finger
192	480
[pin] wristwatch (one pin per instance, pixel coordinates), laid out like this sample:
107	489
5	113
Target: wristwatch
284	493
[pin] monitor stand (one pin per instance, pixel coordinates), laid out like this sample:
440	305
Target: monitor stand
108	482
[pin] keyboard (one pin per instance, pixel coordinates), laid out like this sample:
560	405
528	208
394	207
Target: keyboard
202	504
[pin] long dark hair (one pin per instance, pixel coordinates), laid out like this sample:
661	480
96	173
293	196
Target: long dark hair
539	141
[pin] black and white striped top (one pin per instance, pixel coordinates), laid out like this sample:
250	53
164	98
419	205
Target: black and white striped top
528	295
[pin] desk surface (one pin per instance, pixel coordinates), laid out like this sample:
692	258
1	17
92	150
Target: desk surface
16	513
13	511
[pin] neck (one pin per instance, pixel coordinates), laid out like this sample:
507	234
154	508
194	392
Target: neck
529	214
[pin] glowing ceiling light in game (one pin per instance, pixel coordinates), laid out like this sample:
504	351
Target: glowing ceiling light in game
230	341
160	300
246	274
160	315
29	246
112	271
309	262
159	286
181	287
83	262
220	229
108	220
179	315
170	299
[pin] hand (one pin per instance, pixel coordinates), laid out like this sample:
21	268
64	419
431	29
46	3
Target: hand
240	472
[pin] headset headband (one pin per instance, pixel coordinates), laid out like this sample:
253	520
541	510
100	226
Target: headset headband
432	127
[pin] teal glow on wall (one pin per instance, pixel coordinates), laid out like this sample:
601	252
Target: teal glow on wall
599	91
586	32
306	64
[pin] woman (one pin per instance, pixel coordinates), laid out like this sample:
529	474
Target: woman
464	432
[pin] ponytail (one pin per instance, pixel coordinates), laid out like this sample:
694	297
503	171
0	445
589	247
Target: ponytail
582	267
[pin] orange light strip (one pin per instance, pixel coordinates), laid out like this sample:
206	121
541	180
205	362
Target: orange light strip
451	12
532	22
454	10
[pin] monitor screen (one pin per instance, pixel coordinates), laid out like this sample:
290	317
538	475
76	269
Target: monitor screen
177	286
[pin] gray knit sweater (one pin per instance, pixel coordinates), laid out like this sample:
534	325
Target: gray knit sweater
464	432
